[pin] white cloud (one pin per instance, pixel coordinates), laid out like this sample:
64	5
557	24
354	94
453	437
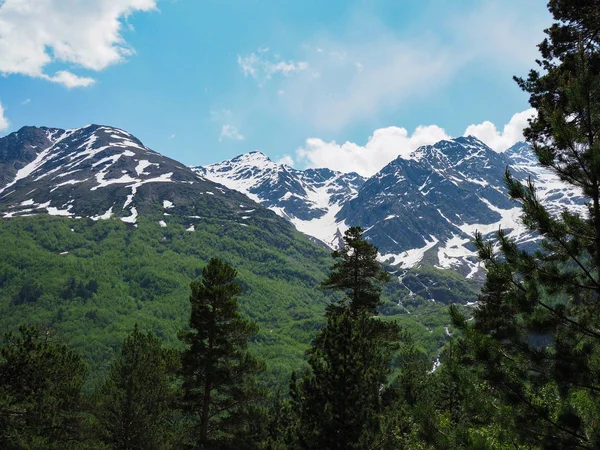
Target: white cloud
382	147
261	67
230	132
26	101
386	144
502	140
81	33
4	124
69	79
249	64
172	136
287	160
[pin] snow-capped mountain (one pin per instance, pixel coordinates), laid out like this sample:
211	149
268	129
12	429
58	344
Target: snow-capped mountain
99	172
310	199
424	207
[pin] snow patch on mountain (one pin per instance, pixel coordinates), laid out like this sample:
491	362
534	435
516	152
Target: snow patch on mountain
38	162
409	258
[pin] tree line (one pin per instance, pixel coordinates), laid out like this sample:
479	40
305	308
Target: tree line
522	373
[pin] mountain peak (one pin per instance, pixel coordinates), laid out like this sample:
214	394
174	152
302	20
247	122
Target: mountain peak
99	171
255	159
467	142
470	139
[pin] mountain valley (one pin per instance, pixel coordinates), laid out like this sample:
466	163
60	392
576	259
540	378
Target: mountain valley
99	232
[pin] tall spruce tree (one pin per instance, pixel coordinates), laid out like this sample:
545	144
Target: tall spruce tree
339	400
40	385
218	372
357	273
133	406
536	335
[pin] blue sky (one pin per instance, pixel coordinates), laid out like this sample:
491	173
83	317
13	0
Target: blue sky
337	83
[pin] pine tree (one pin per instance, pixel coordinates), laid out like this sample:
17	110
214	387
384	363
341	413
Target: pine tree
357	273
133	404
339	400
536	336
218	372
40	386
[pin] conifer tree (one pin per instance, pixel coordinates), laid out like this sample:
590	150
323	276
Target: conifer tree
357	273
133	405
536	336
339	400
40	385
218	372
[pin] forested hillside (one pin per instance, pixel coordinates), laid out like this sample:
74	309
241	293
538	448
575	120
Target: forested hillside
90	281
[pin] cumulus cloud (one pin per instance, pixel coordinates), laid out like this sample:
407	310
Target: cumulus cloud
287	160
83	33
510	134
230	132
386	144
382	147
3	120
261	67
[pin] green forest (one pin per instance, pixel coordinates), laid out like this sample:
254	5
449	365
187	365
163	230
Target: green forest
244	338
91	282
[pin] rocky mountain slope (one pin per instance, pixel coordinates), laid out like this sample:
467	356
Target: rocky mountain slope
310	199
99	172
423	208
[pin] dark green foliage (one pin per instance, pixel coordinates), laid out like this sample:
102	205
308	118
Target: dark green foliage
29	293
280	274
133	406
40	384
535	340
79	289
218	372
115	275
357	273
339	401
280	423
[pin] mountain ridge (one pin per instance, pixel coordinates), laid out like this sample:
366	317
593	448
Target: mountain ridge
421	208
99	172
424	206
